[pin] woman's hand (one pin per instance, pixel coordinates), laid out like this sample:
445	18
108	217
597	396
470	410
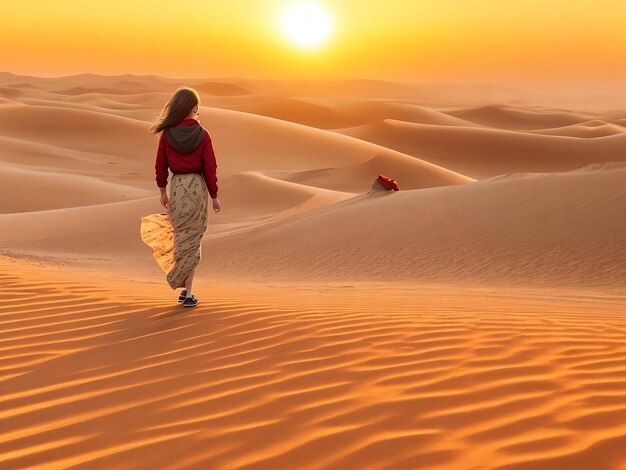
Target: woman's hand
165	202
216	204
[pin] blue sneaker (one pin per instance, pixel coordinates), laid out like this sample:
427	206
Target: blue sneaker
191	301
181	297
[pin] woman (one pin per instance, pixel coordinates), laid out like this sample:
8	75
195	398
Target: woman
186	149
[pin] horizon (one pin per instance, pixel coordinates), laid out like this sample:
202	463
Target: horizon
442	83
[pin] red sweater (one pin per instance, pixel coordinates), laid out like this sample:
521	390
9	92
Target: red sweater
201	160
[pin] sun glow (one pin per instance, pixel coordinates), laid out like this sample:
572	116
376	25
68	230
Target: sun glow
306	23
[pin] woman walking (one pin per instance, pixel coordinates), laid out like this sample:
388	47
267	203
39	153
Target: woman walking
186	149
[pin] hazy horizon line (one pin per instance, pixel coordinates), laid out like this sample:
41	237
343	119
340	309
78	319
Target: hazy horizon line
598	90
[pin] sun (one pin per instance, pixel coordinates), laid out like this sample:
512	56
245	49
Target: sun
306	23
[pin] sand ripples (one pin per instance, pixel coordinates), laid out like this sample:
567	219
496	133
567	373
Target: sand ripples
332	380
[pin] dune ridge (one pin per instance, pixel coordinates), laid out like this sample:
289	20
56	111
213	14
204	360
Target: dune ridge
527	229
61	190
485	152
518	118
586	130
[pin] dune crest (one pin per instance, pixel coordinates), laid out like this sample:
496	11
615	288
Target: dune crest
517	229
485	152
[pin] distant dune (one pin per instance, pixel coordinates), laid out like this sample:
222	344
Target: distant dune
485	152
586	130
518	118
327	116
104	91
222	89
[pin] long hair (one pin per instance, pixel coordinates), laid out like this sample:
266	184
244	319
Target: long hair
177	108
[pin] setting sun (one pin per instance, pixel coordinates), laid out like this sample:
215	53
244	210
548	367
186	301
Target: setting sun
306	23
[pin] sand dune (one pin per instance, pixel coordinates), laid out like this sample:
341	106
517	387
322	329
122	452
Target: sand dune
127	108
621	122
97	100
373	111
125	81
455	324
105	91
26	85
517	118
243	141
359	88
359	178
294	110
60	189
430	94
74	129
328	116
273	170
12	93
222	89
250	142
485	152
43	158
84	234
105	374
253	194
586	130
527	229
102	235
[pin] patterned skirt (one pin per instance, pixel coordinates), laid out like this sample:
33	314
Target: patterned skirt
176	236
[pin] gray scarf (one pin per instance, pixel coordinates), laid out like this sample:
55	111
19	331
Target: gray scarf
185	139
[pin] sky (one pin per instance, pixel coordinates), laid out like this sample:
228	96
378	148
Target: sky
536	44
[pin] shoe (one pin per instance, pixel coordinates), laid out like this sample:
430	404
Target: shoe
181	297
190	301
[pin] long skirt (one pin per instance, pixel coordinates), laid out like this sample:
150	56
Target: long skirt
176	236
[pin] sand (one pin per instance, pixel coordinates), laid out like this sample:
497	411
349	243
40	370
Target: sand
484	152
474	319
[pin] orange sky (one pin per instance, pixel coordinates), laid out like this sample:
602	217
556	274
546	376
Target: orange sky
533	43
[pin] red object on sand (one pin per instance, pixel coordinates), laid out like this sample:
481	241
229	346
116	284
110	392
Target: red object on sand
388	183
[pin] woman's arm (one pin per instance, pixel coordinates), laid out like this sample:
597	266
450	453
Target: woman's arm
161	166
209	166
